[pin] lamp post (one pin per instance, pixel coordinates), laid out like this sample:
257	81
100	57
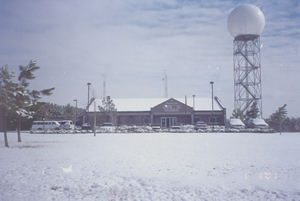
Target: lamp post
88	103
212	104
193	116
75	114
193	102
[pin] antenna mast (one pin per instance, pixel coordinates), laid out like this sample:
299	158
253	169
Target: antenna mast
165	79
104	91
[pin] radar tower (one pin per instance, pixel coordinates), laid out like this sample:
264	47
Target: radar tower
245	23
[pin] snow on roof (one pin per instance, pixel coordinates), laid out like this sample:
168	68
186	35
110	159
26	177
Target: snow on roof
259	121
140	104
236	122
202	104
145	104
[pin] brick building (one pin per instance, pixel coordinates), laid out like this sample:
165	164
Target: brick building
164	112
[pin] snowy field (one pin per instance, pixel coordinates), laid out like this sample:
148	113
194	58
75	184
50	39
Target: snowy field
155	166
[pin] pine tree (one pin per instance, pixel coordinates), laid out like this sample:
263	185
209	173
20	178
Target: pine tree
237	114
7	94
68	111
54	111
253	112
279	116
27	98
108	109
16	100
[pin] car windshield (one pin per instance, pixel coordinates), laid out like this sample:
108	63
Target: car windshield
236	122
259	121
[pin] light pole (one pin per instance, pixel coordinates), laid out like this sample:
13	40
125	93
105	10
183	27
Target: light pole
75	114
193	117
194	102
212	104
88	103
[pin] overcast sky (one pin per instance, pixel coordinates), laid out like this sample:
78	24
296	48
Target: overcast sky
134	43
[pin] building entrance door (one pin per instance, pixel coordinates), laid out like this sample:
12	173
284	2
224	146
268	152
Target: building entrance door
168	122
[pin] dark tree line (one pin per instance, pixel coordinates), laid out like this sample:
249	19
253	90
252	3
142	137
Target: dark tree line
20	105
281	123
289	124
278	121
48	111
252	113
51	111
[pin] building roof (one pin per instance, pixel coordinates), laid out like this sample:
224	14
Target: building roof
145	104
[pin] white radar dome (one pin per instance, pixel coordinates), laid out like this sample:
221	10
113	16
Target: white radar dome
246	20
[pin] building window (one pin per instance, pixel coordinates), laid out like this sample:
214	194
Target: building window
146	120
171	107
212	120
215	120
197	119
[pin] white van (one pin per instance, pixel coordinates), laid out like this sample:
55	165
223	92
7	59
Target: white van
45	125
257	123
66	125
234	124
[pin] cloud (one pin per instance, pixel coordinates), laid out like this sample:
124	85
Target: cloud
133	42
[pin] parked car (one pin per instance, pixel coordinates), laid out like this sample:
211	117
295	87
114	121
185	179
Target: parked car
257	123
86	126
201	125
176	129
107	127
219	129
78	128
234	124
156	129
66	125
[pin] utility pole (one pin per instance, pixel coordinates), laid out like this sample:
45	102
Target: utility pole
88	103
193	116
104	85
94	118
75	115
212	104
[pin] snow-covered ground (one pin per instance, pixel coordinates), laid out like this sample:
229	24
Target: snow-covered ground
154	166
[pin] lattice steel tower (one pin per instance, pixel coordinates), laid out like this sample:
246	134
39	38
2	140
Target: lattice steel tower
245	23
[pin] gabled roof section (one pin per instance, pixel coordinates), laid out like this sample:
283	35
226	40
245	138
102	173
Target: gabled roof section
165	101
202	104
132	104
138	104
145	104
172	105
